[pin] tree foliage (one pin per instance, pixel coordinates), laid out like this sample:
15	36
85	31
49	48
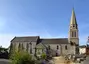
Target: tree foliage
22	58
43	56
3	53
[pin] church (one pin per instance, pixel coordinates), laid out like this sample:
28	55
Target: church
55	46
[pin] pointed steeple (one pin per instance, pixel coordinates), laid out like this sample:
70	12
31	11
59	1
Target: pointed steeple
73	30
73	18
73	33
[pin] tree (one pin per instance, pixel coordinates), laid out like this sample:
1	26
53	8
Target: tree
3	52
22	58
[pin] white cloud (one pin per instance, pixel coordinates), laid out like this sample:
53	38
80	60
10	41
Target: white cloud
5	40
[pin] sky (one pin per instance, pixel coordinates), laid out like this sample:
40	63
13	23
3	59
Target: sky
44	18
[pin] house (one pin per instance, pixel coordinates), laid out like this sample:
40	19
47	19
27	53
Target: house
82	49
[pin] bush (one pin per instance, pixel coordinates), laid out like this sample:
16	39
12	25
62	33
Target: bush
22	58
43	56
4	53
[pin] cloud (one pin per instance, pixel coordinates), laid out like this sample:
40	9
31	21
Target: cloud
6	38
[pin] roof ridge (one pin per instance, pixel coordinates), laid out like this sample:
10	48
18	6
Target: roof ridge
53	38
25	36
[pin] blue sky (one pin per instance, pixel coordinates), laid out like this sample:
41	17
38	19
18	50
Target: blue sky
45	18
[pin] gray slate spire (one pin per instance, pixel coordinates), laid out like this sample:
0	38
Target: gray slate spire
73	18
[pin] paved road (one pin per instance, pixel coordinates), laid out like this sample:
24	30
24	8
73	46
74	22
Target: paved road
4	61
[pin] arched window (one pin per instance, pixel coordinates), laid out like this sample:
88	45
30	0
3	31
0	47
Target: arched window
27	47
57	47
49	47
30	47
66	47
73	26
19	47
72	34
75	34
22	47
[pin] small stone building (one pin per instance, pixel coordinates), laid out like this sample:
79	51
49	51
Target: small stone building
82	49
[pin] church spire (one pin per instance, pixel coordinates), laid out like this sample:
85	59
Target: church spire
73	30
73	18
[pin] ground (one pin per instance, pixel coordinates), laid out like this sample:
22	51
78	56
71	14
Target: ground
4	61
61	60
56	60
86	61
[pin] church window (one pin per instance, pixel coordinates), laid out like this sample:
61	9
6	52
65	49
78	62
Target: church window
71	43
75	34
73	26
19	47
72	34
22	46
27	47
66	47
57	47
31	48
49	47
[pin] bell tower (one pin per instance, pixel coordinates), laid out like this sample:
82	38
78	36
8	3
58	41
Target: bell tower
73	30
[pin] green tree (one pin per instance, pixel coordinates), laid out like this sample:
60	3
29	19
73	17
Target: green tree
43	56
22	58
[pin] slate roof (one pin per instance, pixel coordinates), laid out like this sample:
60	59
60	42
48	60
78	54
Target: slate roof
25	39
38	40
54	41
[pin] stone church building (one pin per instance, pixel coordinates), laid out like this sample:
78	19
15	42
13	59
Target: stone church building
57	46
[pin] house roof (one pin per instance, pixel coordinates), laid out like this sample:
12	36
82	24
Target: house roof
25	39
83	46
54	41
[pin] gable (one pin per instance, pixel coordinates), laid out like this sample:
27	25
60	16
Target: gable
40	45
